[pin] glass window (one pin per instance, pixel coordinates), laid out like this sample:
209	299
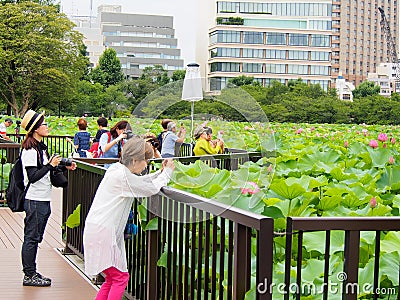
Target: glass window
225	52
253	53
225	36
298	39
276	69
321	56
299	55
253	37
318	40
225	67
276	38
218	83
319	70
275	54
252	68
298	69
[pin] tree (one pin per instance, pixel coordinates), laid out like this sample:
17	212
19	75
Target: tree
157	74
242	80
178	75
366	88
40	61
109	71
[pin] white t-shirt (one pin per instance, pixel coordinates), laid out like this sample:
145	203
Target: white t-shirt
41	189
3	129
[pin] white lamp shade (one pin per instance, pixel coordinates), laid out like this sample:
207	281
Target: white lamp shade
192	89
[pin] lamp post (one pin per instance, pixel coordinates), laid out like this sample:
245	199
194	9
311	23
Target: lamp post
192	90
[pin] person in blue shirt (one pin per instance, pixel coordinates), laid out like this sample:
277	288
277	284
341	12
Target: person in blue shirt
82	138
111	142
170	139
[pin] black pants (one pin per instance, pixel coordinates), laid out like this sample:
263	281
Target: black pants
37	214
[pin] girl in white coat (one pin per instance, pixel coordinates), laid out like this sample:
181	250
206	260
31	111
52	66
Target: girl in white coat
103	237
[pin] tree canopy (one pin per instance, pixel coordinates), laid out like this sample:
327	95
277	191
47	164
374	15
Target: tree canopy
40	58
109	71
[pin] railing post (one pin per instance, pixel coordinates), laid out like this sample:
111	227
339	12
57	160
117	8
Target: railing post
265	259
351	260
153	247
242	261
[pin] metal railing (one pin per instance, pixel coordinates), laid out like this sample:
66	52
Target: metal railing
205	250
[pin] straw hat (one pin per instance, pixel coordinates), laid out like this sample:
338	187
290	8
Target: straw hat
30	119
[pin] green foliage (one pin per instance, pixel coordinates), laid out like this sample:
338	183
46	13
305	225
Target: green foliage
109	71
243	80
178	75
40	58
366	88
230	21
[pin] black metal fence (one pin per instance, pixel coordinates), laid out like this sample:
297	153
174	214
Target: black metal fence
203	249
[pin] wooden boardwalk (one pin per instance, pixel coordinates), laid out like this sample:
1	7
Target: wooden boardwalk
67	281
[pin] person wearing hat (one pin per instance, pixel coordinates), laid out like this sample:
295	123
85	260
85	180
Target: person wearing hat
36	169
205	145
3	128
103	236
170	139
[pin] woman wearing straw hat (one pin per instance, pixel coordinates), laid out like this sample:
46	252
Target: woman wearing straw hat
36	168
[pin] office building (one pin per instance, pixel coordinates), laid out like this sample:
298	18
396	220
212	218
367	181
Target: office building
271	41
140	40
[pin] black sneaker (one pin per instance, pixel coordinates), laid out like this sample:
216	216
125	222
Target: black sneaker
35	280
42	277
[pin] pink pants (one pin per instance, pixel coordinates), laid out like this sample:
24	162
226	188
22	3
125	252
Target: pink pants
114	286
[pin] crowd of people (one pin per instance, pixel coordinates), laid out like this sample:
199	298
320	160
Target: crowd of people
103	236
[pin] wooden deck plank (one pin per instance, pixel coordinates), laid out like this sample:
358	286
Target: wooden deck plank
68	282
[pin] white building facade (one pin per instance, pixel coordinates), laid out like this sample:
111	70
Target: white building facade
270	40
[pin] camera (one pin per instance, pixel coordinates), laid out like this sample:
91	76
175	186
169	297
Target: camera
129	134
64	161
154	142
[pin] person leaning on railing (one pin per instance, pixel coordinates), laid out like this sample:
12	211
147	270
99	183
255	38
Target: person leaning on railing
103	237
3	128
204	144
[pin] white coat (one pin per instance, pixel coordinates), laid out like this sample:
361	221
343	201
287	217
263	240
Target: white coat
103	237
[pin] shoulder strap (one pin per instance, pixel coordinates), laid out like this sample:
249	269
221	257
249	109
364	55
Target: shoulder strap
29	182
109	137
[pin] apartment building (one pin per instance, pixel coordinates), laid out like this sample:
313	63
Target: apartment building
271	41
358	42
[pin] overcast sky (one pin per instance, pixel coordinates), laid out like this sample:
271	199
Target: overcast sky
177	8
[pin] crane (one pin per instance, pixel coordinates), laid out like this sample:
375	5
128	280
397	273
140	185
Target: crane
392	51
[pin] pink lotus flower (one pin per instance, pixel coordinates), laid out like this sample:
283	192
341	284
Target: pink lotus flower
372	202
393	140
317	134
384	145
391	160
346	144
246	127
365	131
270	168
382	137
358	132
250	188
299	131
312	128
373	144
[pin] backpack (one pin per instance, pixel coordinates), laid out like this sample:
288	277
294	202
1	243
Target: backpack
16	190
97	153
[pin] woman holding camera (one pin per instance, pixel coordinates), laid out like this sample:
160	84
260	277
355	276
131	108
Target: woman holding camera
205	145
155	144
103	237
36	168
111	142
